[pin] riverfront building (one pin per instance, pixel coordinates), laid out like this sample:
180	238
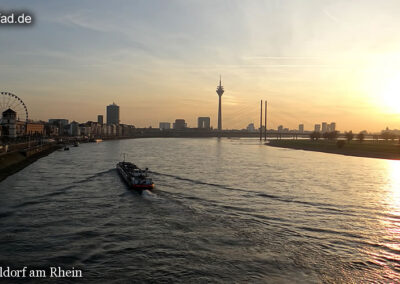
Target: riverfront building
179	124
74	129
113	114
33	128
203	123
317	127
301	128
100	119
165	125
60	122
9	123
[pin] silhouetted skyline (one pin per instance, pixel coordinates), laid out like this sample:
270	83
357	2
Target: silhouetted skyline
312	60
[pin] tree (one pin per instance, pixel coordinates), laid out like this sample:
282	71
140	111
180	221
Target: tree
333	135
361	136
349	135
315	135
386	135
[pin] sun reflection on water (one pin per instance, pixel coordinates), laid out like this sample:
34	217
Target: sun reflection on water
393	186
388	256
385	235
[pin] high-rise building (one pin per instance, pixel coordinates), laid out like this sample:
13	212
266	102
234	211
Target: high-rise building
179	124
100	119
113	114
203	122
165	125
317	127
333	126
220	91
324	127
280	128
301	128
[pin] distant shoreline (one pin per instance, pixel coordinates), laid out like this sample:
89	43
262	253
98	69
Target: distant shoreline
380	150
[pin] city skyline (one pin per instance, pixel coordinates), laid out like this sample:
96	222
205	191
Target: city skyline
314	61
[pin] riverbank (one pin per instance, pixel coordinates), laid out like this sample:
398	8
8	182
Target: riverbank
370	149
13	162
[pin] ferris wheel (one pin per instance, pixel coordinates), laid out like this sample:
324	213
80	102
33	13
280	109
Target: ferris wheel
9	100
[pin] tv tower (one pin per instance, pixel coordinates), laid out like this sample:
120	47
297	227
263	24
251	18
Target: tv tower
220	91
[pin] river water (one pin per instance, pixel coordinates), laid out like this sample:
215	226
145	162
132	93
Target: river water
229	210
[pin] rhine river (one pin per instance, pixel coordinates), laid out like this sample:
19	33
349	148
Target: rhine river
229	210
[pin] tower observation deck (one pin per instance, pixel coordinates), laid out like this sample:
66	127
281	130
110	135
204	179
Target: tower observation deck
220	91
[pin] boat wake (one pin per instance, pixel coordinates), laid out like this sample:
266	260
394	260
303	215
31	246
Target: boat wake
147	194
348	210
94	176
60	191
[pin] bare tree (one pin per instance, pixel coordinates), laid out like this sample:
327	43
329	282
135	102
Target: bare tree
315	135
361	136
349	136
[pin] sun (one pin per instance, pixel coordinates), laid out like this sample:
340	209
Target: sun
380	82
382	85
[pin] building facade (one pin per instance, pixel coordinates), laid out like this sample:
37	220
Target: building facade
74	129
179	124
203	123
165	125
333	126
35	128
9	123
113	114
60	122
100	119
324	127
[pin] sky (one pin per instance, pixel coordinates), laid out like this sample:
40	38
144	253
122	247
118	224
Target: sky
312	60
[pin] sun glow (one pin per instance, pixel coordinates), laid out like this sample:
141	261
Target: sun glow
382	83
390	94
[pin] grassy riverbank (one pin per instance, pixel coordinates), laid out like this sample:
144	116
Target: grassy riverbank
16	161
371	149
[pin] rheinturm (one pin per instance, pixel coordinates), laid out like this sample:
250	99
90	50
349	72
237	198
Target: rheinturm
220	91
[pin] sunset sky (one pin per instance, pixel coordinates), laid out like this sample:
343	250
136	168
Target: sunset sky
160	60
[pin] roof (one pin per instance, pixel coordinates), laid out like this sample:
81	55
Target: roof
9	111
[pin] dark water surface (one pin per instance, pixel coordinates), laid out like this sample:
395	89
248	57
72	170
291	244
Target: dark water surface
222	211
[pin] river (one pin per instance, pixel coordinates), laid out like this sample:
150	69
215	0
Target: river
228	210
